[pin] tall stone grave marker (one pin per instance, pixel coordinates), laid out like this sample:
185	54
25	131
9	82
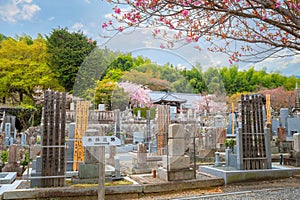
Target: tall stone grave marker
176	165
163	123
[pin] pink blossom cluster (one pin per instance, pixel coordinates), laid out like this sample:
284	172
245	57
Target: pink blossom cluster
210	20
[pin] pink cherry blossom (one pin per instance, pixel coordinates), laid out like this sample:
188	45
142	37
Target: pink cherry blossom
104	25
120	28
188	39
185	13
162	46
117	10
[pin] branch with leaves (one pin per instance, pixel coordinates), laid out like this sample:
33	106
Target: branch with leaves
246	30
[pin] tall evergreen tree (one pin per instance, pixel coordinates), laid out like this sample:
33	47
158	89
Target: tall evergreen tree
67	52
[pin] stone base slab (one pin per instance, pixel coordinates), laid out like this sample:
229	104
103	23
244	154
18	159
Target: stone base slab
90	171
135	170
179	175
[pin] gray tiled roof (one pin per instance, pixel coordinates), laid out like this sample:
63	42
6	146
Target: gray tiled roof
187	100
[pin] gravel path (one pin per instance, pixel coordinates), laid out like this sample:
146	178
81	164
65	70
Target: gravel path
268	194
279	189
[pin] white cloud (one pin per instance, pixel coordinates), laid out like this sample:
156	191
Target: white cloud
79	27
18	10
51	18
29	10
87	1
9	12
296	59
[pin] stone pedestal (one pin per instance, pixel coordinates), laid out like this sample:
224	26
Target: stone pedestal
185	174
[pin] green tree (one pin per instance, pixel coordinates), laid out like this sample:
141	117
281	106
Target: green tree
67	52
91	70
195	79
214	81
103	92
23	68
120	98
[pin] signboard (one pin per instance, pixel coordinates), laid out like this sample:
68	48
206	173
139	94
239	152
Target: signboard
96	141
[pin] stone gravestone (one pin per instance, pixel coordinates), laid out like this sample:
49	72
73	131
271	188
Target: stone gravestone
176	165
23	139
281	133
296	138
70	146
112	154
140	162
13	164
88	171
36	172
2	141
35	150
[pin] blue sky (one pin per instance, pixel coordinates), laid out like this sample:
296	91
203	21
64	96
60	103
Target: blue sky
31	17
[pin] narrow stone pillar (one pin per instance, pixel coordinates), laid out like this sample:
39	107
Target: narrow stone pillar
217	159
227	155
239	148
117	167
268	147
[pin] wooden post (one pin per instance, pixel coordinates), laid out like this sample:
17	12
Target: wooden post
232	119
101	181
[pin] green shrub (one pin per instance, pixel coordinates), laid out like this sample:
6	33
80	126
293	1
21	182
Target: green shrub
4	157
143	112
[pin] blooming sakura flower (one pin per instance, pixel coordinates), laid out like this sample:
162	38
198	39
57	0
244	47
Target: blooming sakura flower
117	10
264	17
185	13
162	46
188	39
104	25
156	31
120	28
278	4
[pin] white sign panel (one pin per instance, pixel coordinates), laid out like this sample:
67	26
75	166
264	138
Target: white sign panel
96	141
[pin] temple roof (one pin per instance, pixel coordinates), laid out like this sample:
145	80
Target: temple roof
169	98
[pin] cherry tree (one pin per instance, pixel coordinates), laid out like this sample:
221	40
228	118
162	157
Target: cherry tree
245	30
138	94
280	98
210	104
